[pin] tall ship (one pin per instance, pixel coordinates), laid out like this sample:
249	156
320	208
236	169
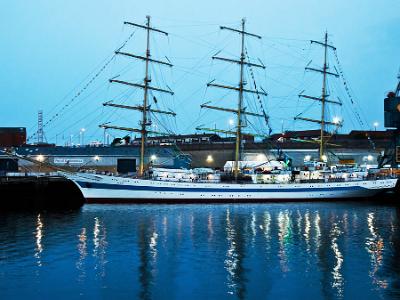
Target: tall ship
240	181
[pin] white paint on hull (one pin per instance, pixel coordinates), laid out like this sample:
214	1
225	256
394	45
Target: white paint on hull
119	188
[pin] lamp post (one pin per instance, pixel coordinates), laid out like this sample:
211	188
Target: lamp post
337	121
82	136
376	124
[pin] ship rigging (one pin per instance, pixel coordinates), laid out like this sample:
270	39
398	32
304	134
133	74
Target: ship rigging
145	108
324	101
240	110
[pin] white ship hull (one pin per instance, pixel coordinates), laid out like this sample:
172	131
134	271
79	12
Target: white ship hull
110	189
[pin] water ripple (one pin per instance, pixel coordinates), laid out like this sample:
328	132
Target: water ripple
290	251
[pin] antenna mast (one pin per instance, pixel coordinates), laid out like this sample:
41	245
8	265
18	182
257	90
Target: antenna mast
145	108
40	131
323	99
240	110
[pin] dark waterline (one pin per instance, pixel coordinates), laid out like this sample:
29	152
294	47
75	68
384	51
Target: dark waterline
243	251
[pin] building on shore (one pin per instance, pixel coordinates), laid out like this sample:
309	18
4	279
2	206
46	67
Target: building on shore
203	150
12	136
356	147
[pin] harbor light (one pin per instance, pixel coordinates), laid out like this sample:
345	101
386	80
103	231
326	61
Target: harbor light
40	158
96	158
82	136
307	158
209	159
153	157
337	120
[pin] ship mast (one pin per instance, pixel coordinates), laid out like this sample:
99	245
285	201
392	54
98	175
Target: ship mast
323	99
238	148
323	96
145	97
145	108
240	110
398	85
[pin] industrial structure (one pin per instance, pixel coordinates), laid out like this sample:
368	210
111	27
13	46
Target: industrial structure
392	120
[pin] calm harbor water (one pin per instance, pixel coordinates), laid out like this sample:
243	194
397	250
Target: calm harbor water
255	251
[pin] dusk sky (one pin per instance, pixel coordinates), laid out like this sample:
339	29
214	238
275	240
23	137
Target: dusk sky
50	49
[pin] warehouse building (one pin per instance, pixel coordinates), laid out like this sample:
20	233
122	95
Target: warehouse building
198	150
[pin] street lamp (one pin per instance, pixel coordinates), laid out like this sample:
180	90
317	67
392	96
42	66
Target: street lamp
82	135
376	124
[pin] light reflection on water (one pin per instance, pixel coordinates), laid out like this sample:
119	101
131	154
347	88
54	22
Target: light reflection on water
318	250
39	236
82	249
337	269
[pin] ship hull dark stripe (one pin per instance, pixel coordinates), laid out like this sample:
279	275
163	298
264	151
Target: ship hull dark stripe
104	186
218	201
